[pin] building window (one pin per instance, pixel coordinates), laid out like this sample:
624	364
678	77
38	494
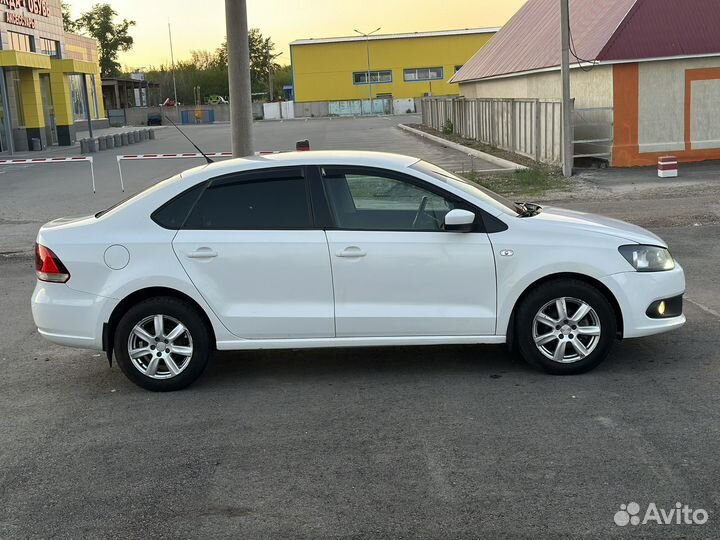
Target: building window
14	88
77	96
21	42
93	97
423	74
376	77
49	47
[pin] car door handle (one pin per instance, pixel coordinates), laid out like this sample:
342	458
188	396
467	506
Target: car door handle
202	253
351	253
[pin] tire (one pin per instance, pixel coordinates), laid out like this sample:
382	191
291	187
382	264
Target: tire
565	348
176	358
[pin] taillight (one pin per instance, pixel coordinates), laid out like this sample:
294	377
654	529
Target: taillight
48	267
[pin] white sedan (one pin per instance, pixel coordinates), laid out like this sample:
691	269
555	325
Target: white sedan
344	249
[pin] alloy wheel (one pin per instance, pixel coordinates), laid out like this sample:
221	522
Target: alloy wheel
566	330
160	347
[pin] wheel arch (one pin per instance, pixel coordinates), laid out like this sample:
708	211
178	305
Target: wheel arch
559	276
108	337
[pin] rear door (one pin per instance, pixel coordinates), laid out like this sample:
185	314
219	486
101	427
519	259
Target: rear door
251	248
396	271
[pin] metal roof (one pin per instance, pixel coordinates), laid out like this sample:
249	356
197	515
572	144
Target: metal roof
461	32
602	30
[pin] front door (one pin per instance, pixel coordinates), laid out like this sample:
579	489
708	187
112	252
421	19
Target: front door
251	249
396	271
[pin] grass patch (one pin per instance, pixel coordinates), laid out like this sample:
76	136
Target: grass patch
529	182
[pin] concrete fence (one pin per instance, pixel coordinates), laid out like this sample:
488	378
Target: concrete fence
528	127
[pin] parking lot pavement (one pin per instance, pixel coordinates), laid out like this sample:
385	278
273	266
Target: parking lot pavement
31	195
436	442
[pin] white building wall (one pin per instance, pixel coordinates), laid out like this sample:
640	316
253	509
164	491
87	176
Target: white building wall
662	106
592	88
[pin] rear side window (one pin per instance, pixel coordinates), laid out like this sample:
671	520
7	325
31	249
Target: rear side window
173	214
260	201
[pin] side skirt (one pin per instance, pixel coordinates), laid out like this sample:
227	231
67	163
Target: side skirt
319	343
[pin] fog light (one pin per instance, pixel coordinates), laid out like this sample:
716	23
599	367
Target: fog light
665	308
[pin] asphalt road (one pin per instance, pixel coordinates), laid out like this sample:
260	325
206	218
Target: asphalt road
438	442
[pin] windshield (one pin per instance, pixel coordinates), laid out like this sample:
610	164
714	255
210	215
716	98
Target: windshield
148	189
484	194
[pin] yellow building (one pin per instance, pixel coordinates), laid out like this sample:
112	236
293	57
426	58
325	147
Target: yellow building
49	80
400	66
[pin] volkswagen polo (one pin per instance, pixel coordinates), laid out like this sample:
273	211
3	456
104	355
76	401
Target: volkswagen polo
344	249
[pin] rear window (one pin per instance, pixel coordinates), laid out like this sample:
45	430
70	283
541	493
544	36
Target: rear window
172	215
148	189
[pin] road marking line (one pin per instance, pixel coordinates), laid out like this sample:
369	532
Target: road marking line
704	308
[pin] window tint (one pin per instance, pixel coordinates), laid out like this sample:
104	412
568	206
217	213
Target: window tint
172	214
253	203
370	201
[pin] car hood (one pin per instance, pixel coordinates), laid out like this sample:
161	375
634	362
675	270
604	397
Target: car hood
598	224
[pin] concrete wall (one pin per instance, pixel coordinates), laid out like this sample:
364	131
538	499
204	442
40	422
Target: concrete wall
137	116
589	88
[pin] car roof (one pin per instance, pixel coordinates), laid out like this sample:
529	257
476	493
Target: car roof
314	157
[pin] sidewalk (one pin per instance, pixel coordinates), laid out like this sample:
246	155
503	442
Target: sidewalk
74	149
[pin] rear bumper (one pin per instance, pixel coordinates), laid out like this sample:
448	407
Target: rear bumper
636	291
68	317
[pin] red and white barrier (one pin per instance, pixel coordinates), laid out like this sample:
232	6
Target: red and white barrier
36	161
185	155
667	167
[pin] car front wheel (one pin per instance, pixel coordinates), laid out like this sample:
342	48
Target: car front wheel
565	327
162	344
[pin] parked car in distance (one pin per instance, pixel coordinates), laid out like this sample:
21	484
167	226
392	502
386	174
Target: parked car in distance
344	249
217	100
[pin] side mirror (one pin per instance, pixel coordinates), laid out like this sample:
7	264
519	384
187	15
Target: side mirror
459	220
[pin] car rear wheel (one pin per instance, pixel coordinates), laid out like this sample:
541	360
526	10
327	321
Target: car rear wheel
162	344
565	327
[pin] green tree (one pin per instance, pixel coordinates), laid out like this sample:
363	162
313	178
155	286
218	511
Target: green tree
262	59
111	37
68	22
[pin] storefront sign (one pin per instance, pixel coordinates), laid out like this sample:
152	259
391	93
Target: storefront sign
19	20
36	7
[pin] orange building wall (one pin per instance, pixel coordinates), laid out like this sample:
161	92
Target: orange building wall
626	96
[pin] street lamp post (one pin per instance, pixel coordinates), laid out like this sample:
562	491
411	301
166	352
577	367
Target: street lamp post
367	46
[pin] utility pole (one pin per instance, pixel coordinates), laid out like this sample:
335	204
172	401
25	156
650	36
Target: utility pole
367	47
239	77
568	147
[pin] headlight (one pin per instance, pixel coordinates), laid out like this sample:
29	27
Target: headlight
648	258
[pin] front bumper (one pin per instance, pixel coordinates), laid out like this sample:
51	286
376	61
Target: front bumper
636	291
69	317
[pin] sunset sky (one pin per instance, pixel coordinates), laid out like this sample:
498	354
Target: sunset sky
201	24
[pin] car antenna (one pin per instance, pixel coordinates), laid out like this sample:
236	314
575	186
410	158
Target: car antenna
189	140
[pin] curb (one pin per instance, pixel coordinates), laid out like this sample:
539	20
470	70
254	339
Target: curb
500	162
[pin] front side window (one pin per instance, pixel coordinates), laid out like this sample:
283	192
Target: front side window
423	74
260	201
376	77
366	200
